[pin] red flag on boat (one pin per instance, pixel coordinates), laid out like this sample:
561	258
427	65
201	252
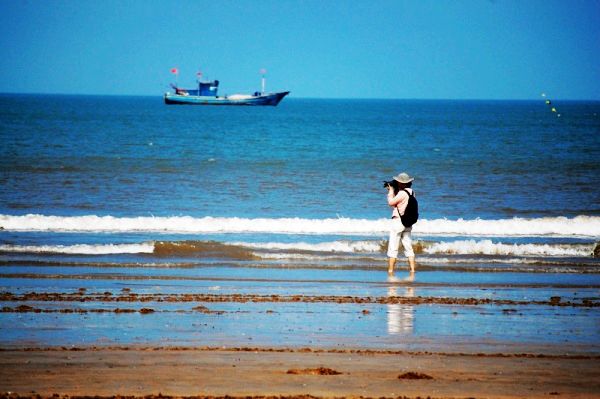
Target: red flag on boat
174	70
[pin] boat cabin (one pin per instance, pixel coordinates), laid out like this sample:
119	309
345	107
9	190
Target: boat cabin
207	89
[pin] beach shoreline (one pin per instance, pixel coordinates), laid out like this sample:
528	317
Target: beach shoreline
253	372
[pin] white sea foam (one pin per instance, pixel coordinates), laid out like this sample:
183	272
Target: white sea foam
461	247
81	249
423	259
488	247
342	246
326	250
580	226
188	224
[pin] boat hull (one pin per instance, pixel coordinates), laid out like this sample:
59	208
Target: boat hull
267	99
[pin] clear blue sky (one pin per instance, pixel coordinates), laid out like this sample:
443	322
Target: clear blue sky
482	49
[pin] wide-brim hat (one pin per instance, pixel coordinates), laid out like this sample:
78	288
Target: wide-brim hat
403	178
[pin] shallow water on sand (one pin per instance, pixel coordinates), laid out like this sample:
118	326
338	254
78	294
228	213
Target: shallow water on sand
233	307
446	328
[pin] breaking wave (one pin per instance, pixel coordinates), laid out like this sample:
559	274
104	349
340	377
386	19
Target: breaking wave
342	246
205	249
81	249
487	247
297	250
462	247
580	226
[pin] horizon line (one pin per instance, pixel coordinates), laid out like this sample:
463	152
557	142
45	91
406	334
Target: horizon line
315	98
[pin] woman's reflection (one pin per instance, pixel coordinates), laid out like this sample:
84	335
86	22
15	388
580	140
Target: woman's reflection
400	317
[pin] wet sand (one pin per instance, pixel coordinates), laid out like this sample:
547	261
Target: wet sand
244	372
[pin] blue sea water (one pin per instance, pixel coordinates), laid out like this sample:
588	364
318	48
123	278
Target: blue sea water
134	170
134	156
95	187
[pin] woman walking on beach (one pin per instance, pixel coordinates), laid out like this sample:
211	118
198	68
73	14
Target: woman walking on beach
398	194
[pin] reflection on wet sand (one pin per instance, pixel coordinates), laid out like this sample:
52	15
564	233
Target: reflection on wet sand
400	318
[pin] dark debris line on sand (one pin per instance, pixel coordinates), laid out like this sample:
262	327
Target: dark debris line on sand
245	298
257	349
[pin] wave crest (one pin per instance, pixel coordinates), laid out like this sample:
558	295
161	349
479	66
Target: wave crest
275	250
81	249
580	226
205	249
487	247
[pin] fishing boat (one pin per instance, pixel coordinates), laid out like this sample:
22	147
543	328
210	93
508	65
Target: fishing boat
206	94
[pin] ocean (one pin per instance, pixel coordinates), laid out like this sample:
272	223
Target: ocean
103	193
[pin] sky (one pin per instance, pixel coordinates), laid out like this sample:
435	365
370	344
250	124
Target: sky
421	49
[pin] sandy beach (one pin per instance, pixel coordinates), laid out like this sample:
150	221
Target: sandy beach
253	372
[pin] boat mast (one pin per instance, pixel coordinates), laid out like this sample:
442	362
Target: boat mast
263	72
175	71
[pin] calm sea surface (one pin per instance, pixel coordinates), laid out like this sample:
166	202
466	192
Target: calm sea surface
127	187
316	159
